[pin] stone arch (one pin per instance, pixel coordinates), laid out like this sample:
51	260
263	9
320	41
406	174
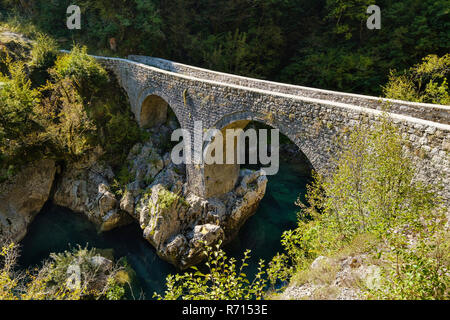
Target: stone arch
301	144
152	99
222	178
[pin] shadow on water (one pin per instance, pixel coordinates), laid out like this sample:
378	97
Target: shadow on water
56	229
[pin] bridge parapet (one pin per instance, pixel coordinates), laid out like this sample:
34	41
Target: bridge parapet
426	111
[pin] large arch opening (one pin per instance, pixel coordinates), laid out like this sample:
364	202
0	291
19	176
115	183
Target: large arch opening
159	120
222	178
151	160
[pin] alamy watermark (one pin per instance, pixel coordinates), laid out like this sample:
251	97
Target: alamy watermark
74	280
74	18
374	20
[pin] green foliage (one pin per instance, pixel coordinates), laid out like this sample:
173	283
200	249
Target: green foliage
16	22
340	68
374	192
373	188
83	70
19	131
70	132
166	199
223	281
51	281
315	43
123	177
417	270
349	16
43	56
110	113
80	108
424	82
115	291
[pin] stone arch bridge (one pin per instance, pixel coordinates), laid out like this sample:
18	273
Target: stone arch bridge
311	118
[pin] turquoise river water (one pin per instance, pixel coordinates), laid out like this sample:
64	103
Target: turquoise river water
56	229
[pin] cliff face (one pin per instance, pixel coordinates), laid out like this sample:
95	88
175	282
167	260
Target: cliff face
23	196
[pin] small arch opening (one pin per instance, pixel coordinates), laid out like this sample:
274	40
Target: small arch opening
153	112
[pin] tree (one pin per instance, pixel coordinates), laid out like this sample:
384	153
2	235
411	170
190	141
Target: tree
19	131
424	82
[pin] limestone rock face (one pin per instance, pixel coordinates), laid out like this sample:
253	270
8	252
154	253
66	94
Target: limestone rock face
23	196
161	215
179	224
144	163
84	187
243	202
127	203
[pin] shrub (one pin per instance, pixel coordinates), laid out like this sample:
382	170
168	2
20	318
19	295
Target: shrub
53	280
72	114
224	281
90	107
43	56
374	192
19	131
86	74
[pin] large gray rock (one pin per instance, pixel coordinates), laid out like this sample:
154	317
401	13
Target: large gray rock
144	163
206	234
127	203
84	187
23	196
179	225
161	215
